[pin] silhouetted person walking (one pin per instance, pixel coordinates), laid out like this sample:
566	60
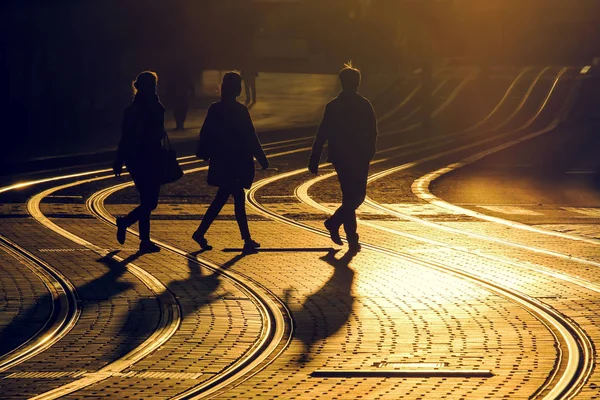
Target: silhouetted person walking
229	141
349	127
141	149
249	74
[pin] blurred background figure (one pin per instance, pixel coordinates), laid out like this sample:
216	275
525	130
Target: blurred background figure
249	74
180	93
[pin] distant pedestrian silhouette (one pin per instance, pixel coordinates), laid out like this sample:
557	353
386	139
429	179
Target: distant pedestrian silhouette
229	141
180	92
249	74
141	150
349	127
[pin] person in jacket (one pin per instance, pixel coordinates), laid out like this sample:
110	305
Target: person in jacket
349	127
140	150
228	140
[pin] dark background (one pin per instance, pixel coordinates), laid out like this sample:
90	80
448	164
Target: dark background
66	66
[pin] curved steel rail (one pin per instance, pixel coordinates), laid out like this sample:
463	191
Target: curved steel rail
524	99
416	110
580	349
263	352
170	313
241	369
277	328
576	366
420	188
400	105
65	307
302	190
272	145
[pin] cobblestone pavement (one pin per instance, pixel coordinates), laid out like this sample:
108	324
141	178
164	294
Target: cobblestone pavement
422	311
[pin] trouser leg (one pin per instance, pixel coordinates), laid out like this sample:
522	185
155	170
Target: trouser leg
339	216
149	192
351	200
353	182
133	216
213	210
337	219
149	201
180	114
239	199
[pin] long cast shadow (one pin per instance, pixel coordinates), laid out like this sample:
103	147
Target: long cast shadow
28	322
140	322
326	311
282	249
200	289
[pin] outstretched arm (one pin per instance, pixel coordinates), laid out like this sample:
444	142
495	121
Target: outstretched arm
204	148
372	129
320	140
124	144
255	146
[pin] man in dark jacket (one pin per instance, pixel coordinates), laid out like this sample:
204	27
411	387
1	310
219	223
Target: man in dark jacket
349	127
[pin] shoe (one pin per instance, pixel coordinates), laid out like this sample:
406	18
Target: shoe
201	240
121	230
250	247
353	244
334	233
354	247
146	246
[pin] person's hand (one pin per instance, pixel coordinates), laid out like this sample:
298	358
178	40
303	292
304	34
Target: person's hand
313	167
118	168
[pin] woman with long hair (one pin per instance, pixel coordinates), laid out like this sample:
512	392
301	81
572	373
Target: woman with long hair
228	140
140	150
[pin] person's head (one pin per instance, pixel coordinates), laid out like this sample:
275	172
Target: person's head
145	83
349	78
231	86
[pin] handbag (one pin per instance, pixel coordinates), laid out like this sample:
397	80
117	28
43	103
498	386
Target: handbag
170	169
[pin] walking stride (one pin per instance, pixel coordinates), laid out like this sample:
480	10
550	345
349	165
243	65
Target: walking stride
349	127
228	140
141	149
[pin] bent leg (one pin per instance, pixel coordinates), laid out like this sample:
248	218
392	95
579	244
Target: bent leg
149	201
149	192
133	216
213	210
239	199
353	182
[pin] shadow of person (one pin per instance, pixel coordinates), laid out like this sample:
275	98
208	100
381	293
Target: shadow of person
326	311
199	289
91	294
